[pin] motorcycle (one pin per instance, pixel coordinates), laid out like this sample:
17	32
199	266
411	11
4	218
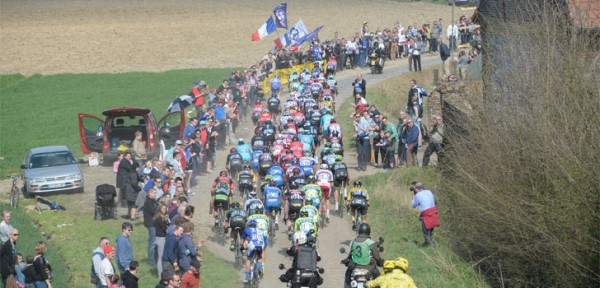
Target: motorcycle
359	276
303	278
376	62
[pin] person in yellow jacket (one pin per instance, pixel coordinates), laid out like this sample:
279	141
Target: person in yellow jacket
394	275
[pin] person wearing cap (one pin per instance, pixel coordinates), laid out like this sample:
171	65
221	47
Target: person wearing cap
107	268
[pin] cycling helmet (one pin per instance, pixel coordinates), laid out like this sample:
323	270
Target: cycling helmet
357	183
334	133
259	210
401	263
328	145
236	205
304	213
311	179
315	107
257	131
364	229
293	185
389	264
299	238
339	158
268	178
268	122
296	170
324	166
223	173
247	167
241	141
331	77
252	223
252	194
257	101
306	153
232	150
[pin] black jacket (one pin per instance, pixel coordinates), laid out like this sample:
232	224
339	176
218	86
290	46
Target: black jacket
150	206
129	280
7	260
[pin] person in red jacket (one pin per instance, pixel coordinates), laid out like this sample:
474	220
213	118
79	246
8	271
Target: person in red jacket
429	217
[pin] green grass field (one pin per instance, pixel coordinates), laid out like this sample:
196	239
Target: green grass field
42	110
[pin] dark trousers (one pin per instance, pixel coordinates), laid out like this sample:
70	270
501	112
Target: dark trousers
388	159
416	59
427	234
364	152
432	147
433	45
377	150
341	62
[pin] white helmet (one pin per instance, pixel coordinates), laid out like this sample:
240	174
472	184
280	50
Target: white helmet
324	166
252	194
299	238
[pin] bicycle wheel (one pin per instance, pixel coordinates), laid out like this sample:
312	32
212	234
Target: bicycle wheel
14	196
357	221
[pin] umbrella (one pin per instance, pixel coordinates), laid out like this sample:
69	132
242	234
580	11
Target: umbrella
180	103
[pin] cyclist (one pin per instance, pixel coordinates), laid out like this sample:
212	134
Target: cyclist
340	178
254	244
364	254
305	223
275	84
313	212
256	153
307	163
253	203
236	218
276	172
307	140
245	150
268	131
246	180
332	84
325	181
334	130
262	225
274	105
326	151
222	194
258	140
257	109
272	195
358	199
294	200
234	162
296	177
325	121
329	158
265	161
312	193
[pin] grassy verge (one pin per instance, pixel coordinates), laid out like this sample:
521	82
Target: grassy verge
42	110
29	235
391	215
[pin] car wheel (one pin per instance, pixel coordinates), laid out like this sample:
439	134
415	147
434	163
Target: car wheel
25	193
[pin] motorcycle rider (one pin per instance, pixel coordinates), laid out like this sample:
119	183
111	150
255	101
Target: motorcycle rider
306	256
236	218
364	253
394	275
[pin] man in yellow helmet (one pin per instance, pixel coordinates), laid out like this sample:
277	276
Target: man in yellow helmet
394	275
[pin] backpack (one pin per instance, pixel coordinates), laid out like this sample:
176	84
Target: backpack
93	277
306	258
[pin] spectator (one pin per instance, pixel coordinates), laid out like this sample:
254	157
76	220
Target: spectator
175	281
165	278
43	270
130	279
30	274
362	128
139	147
360	86
191	128
131	190
429	217
187	251
124	247
452	33
5	226
107	268
412	143
191	278
123	173
97	257
436	139
401	149
8	252
150	206
114	281
170	251
19	266
116	163
161	222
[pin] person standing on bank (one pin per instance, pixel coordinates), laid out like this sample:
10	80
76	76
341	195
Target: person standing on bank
435	143
429	216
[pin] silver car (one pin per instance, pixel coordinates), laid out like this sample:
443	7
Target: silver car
50	169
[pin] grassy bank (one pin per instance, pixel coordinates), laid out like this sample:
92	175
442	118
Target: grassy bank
29	235
42	110
390	214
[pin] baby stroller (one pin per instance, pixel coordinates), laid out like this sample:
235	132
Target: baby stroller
105	206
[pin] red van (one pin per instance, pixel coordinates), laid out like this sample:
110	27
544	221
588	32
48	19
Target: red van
119	127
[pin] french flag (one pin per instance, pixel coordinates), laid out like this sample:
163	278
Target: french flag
264	30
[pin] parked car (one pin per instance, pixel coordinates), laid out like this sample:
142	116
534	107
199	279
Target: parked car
463	2
50	169
118	128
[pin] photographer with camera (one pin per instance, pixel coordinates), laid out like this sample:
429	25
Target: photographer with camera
429	217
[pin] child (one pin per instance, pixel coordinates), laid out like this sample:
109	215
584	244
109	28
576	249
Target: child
114	281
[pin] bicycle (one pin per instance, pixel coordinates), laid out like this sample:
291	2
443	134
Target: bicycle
239	257
13	195
342	203
221	224
272	228
254	273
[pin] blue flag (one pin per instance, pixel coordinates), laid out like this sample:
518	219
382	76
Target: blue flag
310	36
280	12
